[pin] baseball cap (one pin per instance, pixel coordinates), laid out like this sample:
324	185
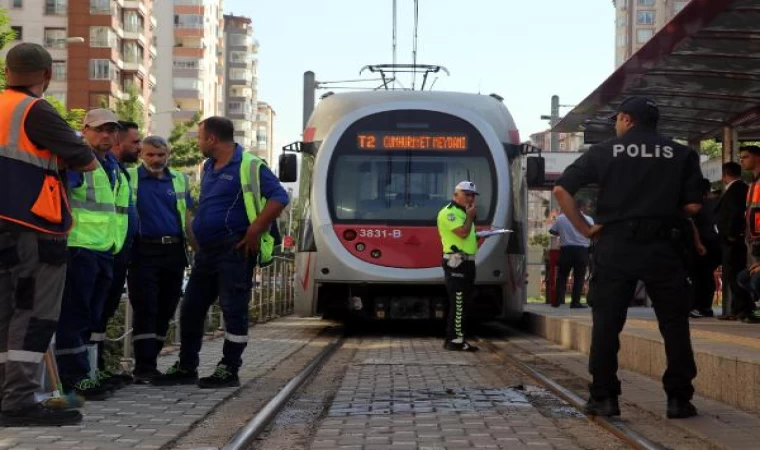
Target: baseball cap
467	186
28	58
642	109
100	116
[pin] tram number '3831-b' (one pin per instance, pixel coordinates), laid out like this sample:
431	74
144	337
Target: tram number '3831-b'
379	233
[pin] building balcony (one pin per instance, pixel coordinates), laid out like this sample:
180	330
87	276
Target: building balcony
185	30
188	73
239	64
138	5
153	50
189	52
232	82
187	94
184	115
152	79
189	7
238	115
135	35
134	65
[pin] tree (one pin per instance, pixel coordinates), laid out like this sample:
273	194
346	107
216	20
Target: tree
73	116
539	240
185	151
130	110
7	35
710	148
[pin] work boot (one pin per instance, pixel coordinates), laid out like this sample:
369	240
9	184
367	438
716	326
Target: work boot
108	380
145	376
460	347
38	415
605	407
90	389
680	409
174	376
577	306
222	377
124	378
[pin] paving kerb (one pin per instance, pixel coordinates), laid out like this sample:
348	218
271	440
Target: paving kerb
146	417
718	423
642	351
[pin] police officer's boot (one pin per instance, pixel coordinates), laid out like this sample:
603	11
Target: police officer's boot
680	409
606	407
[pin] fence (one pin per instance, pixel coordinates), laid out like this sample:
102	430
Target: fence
272	296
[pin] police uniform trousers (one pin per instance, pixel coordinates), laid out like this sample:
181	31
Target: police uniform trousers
88	281
155	287
219	271
575	258
620	261
113	299
32	275
459	285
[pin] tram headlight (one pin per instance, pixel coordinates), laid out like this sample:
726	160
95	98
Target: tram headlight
360	247
349	235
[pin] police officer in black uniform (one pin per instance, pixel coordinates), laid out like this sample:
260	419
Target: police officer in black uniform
648	185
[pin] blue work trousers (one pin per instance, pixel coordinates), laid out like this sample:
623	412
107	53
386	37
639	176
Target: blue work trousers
88	281
219	271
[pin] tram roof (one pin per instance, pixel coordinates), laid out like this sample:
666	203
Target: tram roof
702	69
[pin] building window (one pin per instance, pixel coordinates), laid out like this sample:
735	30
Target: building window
133	22
187	83
187	64
102	37
679	5
622	39
56	7
59	70
239	74
60	96
188	21
645	17
133	53
103	69
646	2
100	6
19	33
55	37
18	4
643	35
238	40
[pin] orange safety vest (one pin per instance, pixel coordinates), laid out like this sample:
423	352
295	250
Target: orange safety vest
33	195
753	210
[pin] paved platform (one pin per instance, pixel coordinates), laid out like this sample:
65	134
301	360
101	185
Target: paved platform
404	393
727	353
146	417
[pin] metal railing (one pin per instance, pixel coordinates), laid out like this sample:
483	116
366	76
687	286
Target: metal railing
272	296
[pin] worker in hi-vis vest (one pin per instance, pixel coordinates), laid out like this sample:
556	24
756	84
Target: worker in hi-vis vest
35	145
240	201
100	206
456	225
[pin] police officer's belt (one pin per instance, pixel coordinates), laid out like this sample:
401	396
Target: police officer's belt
646	230
162	240
464	257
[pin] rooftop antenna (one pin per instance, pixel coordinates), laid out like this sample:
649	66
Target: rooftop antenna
414	49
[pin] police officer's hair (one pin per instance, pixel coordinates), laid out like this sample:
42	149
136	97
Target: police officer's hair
753	150
732	169
221	127
156	141
127	125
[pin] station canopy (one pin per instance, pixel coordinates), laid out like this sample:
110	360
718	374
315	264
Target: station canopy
702	69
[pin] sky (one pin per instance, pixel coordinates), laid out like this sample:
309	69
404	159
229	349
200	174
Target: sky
523	50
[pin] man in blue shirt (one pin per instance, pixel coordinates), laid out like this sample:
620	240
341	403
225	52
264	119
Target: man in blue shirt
228	246
573	255
125	150
158	257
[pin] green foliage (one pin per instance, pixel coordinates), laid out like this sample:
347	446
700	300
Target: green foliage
185	150
539	240
131	110
6	37
73	116
711	148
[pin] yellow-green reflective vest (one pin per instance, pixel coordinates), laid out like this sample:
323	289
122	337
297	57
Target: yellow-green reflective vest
450	218
100	212
255	203
180	185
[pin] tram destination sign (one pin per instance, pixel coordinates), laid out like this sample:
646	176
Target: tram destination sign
412	141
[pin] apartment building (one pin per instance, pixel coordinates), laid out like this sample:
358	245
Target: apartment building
636	21
240	79
192	60
115	55
265	133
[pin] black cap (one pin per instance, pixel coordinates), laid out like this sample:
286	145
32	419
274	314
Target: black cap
641	109
28	58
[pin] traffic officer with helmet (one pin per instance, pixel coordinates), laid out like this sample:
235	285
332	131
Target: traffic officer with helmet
648	186
35	144
100	206
159	258
456	226
240	201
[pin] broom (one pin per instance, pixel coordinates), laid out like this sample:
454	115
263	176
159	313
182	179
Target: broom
57	399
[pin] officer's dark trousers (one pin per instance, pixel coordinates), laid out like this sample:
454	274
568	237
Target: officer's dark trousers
98	335
459	285
575	258
619	263
734	261
32	274
155	287
88	280
702	277
219	270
